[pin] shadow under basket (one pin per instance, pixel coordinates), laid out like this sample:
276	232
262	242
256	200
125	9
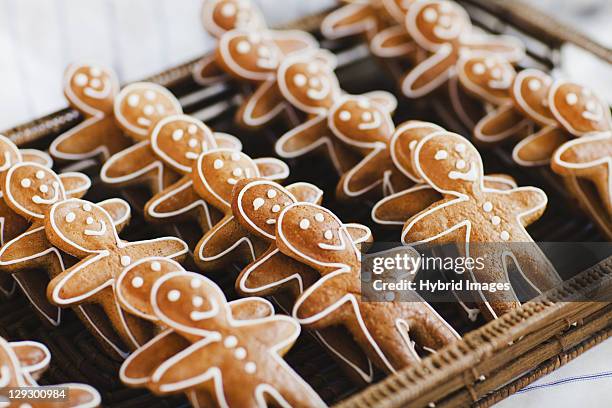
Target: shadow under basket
492	360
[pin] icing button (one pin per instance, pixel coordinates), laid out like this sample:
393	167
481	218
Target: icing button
250	367
240	353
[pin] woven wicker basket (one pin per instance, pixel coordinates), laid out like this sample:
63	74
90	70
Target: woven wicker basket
490	363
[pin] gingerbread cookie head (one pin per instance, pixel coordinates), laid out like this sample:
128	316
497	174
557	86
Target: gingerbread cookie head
249	55
134	284
315	235
259	203
487	76
22	362
217	171
361	120
9	154
139	106
530	95
188	302
220	16
30	189
449	163
434	23
179	139
307	80
90	88
578	108
83	226
403	142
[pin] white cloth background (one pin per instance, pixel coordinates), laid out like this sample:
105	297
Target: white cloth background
38	38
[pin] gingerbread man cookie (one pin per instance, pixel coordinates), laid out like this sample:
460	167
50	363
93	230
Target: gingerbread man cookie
91	90
85	230
219	17
253	57
256	204
215	174
576	110
238	363
23	362
444	28
490	78
471	214
313	235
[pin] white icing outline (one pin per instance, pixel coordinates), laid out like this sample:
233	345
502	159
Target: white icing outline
212	232
440	55
263	161
43	157
247	115
332	29
196	72
391	197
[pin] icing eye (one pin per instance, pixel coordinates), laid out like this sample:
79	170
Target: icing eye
345	116
430	15
304	224
89	220
488	206
150	95
133	100
240	353
460	147
271	193
534	85
70	217
276	208
126	260
441	155
40	174
81	80
228	10
26	183
237	172
243	47
478	68
250	367
137	282
218	164
155	266
96	83
299	80
366	116
195	283
197	301
496	73
192	142
148	110
235	156
230	342
177	135
44	188
174	295
192	129
328	234
571	99
257	203
460	164
319	217
312	68
87	207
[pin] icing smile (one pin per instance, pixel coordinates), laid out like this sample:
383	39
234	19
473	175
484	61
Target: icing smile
469	175
593	112
340	247
102	93
447	33
321	93
97	233
373	124
198	316
39	200
502	83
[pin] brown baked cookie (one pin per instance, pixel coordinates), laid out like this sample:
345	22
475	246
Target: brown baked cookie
313	235
85	230
219	17
444	29
214	177
243	358
91	90
253	57
490	78
22	364
471	214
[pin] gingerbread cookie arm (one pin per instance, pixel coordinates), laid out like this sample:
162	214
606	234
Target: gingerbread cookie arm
36	156
359	233
176	202
206	71
538	148
427	328
399	207
373	171
306	192
227	141
26	250
418	228
588	157
271	168
393	42
251	308
349	20
289	41
33	357
75	184
528	203
119	210
430	73
263	106
133	165
500	124
95	137
302	139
